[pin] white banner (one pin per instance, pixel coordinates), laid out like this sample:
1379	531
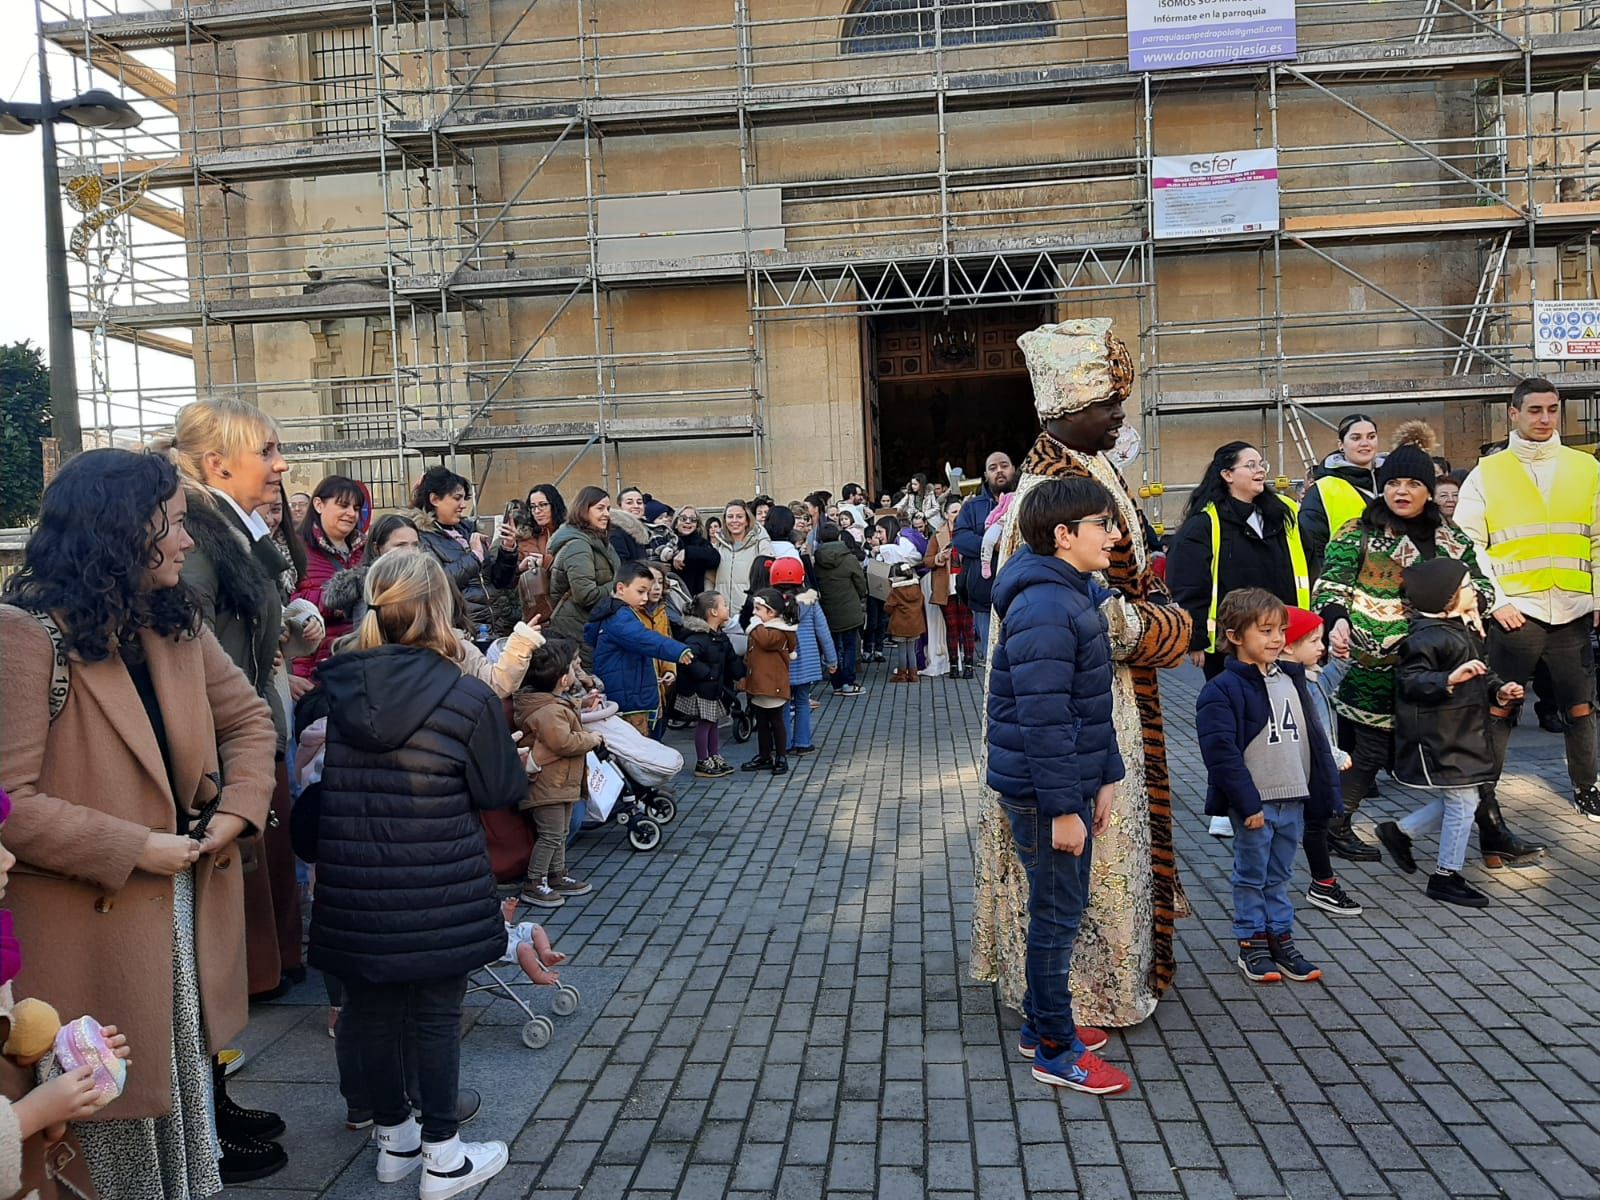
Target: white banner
1213	194
1565	329
1182	35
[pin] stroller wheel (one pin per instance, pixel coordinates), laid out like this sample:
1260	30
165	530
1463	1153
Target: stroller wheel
644	834
566	1001
661	808
743	726
536	1034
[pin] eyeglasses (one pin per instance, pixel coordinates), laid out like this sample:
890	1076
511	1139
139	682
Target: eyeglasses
1263	466
539	504
1107	524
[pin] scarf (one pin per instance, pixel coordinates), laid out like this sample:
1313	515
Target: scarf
358	539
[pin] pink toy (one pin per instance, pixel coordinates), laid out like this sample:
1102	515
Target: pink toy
82	1043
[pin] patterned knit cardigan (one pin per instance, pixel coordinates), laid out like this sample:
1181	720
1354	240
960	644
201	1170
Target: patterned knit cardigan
1362	580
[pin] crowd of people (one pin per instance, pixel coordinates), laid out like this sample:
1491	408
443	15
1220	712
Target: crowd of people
1390	619
282	688
292	697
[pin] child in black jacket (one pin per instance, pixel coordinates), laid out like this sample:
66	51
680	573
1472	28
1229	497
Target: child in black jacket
704	682
1443	690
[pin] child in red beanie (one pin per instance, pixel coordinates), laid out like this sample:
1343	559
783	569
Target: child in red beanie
1303	644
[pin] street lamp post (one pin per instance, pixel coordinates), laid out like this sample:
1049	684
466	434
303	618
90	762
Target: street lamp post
94	109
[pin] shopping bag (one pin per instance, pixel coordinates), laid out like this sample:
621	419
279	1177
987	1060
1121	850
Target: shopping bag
605	785
877	579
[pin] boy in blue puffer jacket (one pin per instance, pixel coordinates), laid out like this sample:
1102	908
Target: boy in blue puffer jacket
814	658
1269	769
625	648
1053	753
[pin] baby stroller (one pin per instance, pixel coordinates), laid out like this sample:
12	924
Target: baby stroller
645	767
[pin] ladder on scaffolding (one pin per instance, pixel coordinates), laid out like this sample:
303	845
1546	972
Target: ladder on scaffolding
1483	304
1301	440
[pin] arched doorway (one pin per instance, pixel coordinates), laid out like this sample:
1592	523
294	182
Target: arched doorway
947	387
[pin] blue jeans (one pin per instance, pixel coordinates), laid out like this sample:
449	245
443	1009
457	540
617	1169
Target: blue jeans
1263	862
980	633
1058	889
1450	812
798	718
844	649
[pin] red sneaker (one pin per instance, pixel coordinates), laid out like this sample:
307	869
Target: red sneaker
1028	1040
1088	1074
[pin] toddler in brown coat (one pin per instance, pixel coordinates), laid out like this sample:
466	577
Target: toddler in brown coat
773	644
559	742
908	619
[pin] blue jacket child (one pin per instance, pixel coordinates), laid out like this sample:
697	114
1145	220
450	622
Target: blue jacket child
1231	711
625	650
1051	739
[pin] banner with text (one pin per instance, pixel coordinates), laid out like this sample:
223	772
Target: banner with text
1565	329
1182	35
1208	195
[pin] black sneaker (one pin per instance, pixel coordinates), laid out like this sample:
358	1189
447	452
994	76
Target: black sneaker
1398	843
1255	960
1290	961
247	1159
1451	888
1552	722
468	1102
1330	897
1587	802
706	768
801	751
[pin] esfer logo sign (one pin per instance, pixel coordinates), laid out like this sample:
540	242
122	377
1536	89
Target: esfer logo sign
1214	194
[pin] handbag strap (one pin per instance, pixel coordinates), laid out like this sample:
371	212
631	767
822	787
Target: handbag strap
60	673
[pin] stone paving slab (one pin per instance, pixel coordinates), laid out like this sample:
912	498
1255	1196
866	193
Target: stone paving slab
791	1014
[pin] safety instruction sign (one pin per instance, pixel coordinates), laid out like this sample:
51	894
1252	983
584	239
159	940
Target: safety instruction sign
1566	329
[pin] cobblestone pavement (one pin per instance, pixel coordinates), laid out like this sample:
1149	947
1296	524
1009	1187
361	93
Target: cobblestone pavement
777	1005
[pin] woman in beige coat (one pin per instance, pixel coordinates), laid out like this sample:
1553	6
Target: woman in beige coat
135	753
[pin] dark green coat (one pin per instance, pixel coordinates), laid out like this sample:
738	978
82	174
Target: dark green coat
235	585
842	583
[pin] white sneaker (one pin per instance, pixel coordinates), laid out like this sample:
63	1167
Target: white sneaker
455	1166
1221	827
399	1150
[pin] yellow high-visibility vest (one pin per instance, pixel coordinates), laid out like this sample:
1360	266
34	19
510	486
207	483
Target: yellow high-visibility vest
1341	500
1540	543
1297	558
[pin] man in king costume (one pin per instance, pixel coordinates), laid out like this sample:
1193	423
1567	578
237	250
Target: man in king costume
1123	961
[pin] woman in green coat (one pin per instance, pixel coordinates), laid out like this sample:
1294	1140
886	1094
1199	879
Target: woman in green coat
583	567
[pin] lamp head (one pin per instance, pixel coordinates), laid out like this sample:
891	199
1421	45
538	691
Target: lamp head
99	109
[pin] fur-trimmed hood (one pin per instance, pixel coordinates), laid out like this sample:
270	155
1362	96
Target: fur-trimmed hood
241	575
345	590
693	624
630	525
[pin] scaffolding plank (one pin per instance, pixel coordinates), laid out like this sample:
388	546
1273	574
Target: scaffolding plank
234	19
1406	221
1493	388
152	341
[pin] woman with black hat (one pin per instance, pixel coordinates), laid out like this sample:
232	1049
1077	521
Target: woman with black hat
1361	598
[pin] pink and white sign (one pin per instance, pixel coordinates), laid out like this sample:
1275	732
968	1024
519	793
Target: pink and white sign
1215	194
1184	35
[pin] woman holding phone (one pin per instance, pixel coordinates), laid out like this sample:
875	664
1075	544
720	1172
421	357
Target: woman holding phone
534	525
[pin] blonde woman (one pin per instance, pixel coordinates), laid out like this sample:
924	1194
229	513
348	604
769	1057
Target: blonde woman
228	455
412	744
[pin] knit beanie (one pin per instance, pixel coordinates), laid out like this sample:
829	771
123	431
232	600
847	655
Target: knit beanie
1411	457
1432	585
1301	623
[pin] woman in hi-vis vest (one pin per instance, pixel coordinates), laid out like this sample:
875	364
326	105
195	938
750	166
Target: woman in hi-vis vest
1236	533
1344	484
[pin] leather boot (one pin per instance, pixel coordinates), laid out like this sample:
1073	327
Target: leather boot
1501	847
1342	840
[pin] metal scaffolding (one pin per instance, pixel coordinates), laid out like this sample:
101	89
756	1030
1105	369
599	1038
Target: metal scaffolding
485	130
